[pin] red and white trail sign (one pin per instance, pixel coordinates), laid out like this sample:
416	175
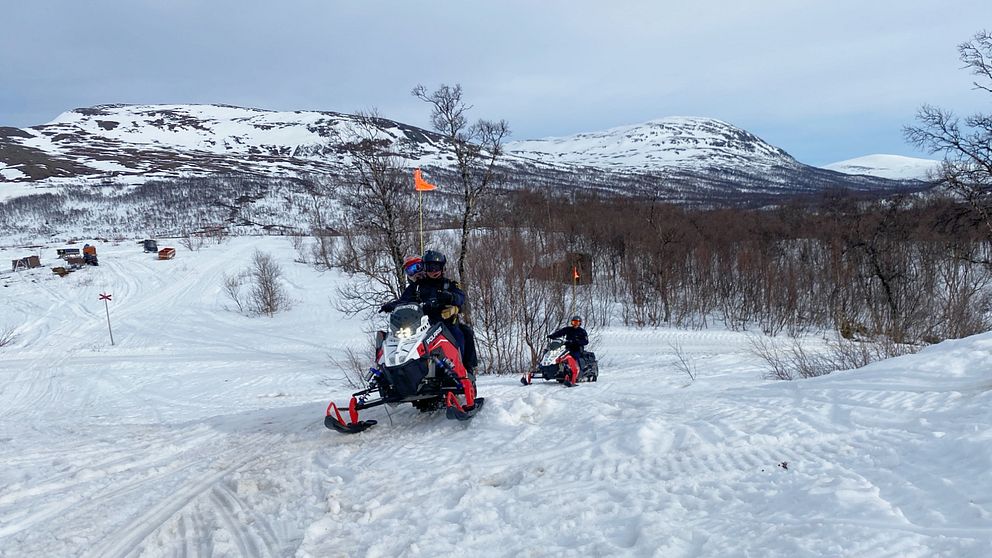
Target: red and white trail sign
106	297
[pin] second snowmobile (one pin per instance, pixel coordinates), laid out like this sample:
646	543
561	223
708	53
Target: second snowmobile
558	364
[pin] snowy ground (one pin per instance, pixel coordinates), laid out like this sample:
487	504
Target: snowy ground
199	433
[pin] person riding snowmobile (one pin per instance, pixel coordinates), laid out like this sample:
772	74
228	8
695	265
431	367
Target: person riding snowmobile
442	299
576	339
413	267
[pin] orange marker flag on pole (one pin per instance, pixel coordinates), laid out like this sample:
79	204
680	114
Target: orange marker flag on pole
575	273
421	185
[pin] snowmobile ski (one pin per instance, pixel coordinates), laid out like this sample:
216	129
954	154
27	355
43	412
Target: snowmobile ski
456	411
353	428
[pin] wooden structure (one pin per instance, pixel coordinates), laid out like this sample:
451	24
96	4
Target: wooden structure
25	263
75	262
64	252
166	253
566	269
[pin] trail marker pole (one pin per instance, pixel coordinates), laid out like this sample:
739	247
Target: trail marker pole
420	197
575	281
105	297
421	186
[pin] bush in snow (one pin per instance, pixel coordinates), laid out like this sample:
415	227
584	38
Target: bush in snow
258	289
7	336
796	361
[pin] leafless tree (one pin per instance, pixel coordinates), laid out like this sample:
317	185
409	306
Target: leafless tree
477	149
266	295
379	214
191	240
232	288
967	167
683	361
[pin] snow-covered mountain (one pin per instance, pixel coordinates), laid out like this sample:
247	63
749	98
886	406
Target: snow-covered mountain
677	159
161	141
895	167
675	143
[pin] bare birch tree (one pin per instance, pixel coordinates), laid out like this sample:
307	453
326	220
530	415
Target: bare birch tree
967	167
477	148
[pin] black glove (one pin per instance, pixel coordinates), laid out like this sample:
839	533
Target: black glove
387	307
444	297
432	304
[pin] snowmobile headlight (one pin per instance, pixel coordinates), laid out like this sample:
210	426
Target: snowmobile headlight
404	332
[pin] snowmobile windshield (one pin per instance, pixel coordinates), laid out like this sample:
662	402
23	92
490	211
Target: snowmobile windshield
555	344
405	320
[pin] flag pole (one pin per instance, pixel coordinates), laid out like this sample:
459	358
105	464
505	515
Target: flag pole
575	280
421	185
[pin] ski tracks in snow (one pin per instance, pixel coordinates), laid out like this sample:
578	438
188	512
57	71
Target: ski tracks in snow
200	435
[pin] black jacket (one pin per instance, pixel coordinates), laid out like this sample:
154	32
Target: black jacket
434	294
575	337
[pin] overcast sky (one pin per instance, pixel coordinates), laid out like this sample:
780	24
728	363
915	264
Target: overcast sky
826	80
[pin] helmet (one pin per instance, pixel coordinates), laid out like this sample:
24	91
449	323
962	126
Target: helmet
576	320
434	261
412	265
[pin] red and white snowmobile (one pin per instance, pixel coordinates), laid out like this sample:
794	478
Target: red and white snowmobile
416	362
558	364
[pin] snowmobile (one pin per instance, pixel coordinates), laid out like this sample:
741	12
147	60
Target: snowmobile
416	362
558	364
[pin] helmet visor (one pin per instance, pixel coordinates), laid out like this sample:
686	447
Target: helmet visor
434	266
414	268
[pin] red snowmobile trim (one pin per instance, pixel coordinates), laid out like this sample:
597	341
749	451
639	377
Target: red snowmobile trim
451	353
337	413
574	366
452	401
352	410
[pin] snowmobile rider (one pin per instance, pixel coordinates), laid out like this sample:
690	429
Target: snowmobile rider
442	299
576	338
89	255
413	267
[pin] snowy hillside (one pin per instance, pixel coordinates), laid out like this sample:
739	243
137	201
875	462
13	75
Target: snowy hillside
199	434
692	160
156	141
684	143
895	167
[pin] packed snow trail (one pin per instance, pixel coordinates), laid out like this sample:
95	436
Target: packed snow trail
200	434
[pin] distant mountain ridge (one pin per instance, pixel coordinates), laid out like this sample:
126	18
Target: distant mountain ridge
896	167
687	143
679	159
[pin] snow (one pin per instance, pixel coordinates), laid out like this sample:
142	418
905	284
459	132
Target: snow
895	167
11	190
200	433
660	144
10	173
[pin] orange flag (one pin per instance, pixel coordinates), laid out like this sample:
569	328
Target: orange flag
421	185
575	273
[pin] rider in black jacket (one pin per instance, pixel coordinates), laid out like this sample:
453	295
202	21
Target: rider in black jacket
576	339
442	299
